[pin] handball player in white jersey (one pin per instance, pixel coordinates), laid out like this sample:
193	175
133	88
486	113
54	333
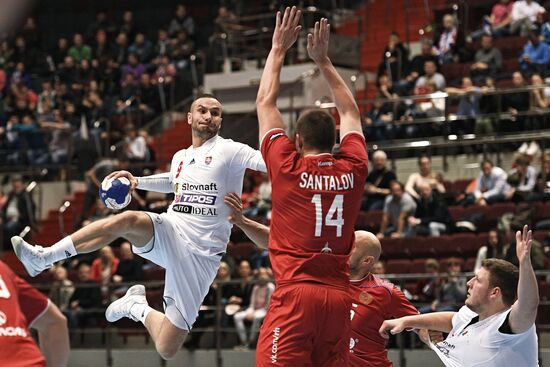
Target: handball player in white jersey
496	327
188	241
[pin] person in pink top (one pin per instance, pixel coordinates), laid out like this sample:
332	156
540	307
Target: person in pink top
498	23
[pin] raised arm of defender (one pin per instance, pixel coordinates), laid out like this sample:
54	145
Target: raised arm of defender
524	310
317	48
285	34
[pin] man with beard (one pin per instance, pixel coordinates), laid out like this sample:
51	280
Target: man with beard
188	241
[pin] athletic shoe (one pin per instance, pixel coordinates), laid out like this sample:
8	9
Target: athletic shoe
32	257
122	306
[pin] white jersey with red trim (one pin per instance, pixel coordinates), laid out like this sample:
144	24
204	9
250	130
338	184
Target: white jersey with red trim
200	178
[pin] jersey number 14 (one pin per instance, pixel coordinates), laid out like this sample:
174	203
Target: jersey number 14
334	215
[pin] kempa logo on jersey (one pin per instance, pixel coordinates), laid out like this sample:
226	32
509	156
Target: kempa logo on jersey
188	209
10	331
194	198
3	318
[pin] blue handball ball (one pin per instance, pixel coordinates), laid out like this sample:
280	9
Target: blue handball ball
115	193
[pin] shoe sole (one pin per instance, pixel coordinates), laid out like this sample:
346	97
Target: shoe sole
16	243
133	290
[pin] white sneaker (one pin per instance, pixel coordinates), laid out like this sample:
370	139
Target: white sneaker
121	307
32	257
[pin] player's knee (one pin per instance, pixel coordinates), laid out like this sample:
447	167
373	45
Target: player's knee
124	222
167	351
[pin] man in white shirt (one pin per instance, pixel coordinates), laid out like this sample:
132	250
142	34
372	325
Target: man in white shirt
524	15
188	241
496	327
491	185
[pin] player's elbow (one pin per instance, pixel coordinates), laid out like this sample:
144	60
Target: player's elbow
167	352
263	99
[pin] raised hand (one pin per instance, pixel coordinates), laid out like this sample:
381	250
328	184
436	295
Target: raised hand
317	43
523	245
128	175
234	202
287	28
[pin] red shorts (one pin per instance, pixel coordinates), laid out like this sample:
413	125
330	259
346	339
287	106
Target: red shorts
307	325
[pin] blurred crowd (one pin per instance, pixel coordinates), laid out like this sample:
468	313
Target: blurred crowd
471	70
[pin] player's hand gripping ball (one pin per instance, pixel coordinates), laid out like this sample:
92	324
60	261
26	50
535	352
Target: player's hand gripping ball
115	193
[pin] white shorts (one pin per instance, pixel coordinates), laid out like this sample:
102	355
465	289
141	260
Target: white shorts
189	273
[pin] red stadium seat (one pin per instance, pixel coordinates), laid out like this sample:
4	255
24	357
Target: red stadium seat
497	210
241	250
456	212
398	266
369	220
418	266
544	291
393	248
464	243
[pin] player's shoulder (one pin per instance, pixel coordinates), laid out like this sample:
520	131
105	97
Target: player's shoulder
179	154
373	281
5	269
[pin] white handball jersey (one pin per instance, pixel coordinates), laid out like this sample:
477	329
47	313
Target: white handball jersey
200	178
476	344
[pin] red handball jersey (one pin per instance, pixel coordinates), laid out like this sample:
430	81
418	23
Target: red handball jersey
20	305
374	300
315	200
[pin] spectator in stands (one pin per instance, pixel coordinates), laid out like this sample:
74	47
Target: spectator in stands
515	103
524	16
431	81
60	138
134	67
225	19
378	124
6	54
120	49
448	40
184	47
30	33
164	44
18	211
543	178
257	308
498	23
105	266
489	103
101	23
431	216
379	268
23	54
101	49
68	73
182	20
129	268
427	288
241	297
142	48
451	291
493	249
522	180
395	59
377	185
80	51
535	56
491	185
60	52
128	26
487	60
397	208
468	105
86	300
135	146
424	175
539	99
62	289
416	66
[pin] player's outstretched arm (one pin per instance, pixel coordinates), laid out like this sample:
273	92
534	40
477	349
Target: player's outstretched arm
257	232
317	48
285	34
158	183
438	321
53	336
524	310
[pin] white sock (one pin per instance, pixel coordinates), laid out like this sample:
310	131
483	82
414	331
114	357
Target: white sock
61	250
140	311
